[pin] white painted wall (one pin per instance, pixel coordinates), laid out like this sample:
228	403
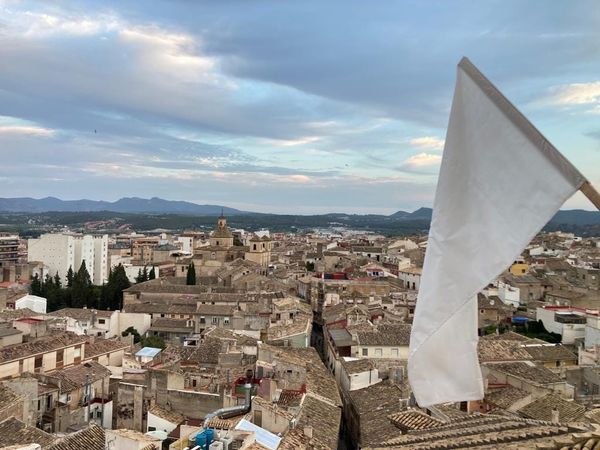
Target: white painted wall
380	351
569	331
187	243
129	440
508	294
159	423
141	322
592	332
33	302
132	271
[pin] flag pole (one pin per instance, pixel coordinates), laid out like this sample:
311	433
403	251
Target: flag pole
591	193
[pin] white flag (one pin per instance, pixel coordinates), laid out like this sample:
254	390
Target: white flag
500	182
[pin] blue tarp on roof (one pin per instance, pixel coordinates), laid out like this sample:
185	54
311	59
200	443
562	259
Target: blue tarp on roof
520	319
263	437
149	351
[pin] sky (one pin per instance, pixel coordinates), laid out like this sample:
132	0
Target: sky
273	106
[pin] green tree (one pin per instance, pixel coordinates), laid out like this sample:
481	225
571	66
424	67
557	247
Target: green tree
111	294
105	299
70	276
118	284
47	287
36	286
49	292
57	282
142	275
152	274
136	335
154	341
190	279
82	292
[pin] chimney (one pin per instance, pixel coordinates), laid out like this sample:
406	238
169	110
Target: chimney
308	431
555	416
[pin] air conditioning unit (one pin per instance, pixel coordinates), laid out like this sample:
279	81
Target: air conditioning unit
216	445
227	442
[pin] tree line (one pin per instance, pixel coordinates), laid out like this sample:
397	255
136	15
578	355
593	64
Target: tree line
79	290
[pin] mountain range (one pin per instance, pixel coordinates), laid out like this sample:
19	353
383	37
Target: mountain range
152	205
157	205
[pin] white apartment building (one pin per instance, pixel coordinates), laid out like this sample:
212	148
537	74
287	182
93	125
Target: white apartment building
60	251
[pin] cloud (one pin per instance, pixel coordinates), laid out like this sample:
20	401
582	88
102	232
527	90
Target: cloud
427	142
25	130
421	163
576	94
261	104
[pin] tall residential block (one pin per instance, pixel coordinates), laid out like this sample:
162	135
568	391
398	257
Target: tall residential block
9	249
60	251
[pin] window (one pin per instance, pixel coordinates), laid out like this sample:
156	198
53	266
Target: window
60	354
202	319
365	352
38	361
98	414
48	402
226	320
194	382
395	353
101	321
39	405
151	428
378	352
215	320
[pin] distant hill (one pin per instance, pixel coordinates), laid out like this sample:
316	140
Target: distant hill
566	220
153	205
576	217
419	214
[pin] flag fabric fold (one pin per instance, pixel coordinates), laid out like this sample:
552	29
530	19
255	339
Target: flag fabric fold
500	182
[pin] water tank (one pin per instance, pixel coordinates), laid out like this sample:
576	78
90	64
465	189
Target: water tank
210	436
216	446
201	440
192	440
